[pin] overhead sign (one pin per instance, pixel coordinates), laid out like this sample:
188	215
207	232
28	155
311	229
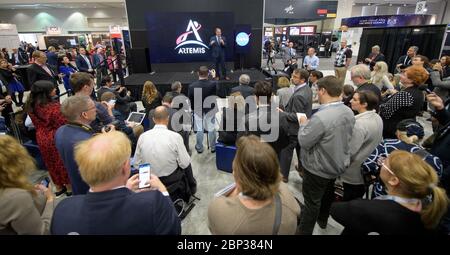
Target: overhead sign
388	20
421	7
54	30
115	31
299	9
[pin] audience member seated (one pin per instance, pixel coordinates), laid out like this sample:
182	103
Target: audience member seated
124	100
406	60
380	76
441	86
244	86
300	102
367	134
259	204
423	61
405	104
175	120
325	141
266	122
26	209
7	71
285	91
414	204
83	84
233	119
374	57
160	143
445	63
409	134
111	205
150	97
132	129
46	115
79	111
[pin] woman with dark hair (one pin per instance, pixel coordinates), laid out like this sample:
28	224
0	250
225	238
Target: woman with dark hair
405	104
445	63
7	72
259	203
66	68
46	116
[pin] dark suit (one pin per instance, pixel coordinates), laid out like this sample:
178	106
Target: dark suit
245	90
21	60
379	57
52	58
37	73
404	60
116	212
300	102
82	65
228	135
218	54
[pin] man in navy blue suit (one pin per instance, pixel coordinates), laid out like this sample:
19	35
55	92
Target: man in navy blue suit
218	43
112	207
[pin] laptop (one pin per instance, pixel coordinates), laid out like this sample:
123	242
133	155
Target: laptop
137	117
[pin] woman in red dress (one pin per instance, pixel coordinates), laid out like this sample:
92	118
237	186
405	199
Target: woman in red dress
46	116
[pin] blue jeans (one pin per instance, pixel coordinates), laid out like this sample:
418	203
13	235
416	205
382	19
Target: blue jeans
207	122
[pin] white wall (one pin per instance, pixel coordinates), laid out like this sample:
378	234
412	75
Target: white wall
76	20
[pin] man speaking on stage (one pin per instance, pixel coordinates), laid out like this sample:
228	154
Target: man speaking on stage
218	44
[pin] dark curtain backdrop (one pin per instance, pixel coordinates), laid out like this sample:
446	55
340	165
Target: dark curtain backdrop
394	42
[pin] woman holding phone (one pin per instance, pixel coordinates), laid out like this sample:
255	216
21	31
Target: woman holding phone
26	209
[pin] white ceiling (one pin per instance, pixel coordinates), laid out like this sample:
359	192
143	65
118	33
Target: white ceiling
60	4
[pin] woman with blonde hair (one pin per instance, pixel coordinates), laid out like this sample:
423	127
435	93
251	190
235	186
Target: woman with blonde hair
259	203
151	98
380	76
233	119
25	208
285	90
414	204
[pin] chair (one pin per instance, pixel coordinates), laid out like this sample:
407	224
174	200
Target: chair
224	157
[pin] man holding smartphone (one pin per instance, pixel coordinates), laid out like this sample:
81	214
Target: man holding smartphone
114	205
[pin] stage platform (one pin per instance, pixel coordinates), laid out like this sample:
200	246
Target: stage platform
163	81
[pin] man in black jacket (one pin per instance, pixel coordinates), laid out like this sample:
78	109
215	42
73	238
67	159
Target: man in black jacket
202	96
360	75
374	57
111	207
40	70
406	60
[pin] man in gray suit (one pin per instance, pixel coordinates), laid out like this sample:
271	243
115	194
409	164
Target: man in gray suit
288	53
300	102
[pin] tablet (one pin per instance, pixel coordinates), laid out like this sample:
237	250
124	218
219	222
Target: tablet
137	117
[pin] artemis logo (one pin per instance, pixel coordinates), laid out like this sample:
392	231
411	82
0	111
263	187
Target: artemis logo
289	9
182	42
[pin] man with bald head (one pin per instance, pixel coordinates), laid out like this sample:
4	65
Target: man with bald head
342	61
161	143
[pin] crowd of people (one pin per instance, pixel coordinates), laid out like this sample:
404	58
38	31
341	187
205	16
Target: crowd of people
364	137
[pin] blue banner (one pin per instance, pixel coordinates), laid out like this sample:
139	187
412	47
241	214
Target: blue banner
388	20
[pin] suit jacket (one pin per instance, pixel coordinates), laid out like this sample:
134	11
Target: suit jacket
52	58
262	115
402	60
97	61
82	65
217	49
300	102
22	61
379	57
37	73
116	212
287	54
208	88
245	90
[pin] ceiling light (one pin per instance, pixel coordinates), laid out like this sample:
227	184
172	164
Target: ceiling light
404	5
369	4
390	4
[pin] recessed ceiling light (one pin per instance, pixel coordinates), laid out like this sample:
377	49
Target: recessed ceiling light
369	4
404	5
390	4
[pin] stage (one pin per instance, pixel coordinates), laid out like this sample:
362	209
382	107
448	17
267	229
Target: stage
163	81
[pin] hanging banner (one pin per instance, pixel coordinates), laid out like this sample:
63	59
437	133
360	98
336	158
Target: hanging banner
389	21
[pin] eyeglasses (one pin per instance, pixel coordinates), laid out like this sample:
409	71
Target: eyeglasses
381	162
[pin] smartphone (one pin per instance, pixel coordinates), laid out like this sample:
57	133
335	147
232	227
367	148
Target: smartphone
45	182
428	91
112	101
144	176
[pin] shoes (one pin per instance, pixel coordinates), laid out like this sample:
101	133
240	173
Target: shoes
199	151
213	150
61	192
